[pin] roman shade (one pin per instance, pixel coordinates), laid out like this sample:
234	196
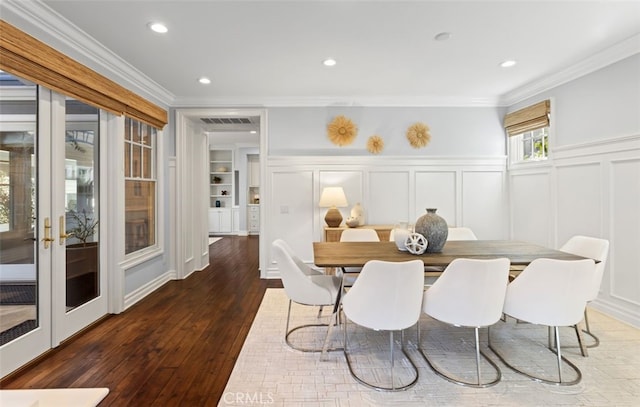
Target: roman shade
528	119
27	57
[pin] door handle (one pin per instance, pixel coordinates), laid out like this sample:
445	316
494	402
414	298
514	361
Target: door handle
63	234
47	233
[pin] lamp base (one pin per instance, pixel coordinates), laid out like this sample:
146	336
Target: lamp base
333	218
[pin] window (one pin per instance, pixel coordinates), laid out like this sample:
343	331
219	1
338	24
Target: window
529	146
528	131
140	185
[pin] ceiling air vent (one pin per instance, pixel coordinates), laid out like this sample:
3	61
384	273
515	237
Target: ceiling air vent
226	120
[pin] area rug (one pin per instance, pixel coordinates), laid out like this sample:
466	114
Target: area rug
17	331
270	372
212	240
17	294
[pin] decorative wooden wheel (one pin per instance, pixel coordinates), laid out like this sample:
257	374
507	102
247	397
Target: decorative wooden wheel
416	243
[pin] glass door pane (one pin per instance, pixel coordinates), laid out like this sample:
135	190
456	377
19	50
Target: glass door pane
81	203
18	236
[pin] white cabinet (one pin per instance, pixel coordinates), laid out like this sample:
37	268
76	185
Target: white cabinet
253	219
221	178
220	220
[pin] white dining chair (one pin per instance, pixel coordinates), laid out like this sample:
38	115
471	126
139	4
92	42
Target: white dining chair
312	290
387	296
304	267
553	293
597	249
349	274
461	233
359	235
469	293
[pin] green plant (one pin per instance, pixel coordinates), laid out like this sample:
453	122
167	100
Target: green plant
84	226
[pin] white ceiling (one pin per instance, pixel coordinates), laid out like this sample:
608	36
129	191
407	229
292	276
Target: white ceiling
271	52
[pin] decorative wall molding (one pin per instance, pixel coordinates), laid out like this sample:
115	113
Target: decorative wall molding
377	161
138	294
590	188
599	147
79	45
469	191
618	52
74	39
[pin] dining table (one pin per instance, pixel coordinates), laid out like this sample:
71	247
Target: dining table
356	254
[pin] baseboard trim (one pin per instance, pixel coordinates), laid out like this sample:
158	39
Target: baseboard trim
151	286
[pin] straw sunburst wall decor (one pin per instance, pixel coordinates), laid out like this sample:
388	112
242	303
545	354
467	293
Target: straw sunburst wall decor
375	144
342	131
418	135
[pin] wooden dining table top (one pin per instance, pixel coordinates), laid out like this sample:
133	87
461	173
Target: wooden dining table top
356	254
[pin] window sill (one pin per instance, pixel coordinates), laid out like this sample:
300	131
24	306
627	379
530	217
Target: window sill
548	163
141	256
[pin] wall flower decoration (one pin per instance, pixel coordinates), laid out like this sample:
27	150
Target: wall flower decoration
341	131
375	144
418	135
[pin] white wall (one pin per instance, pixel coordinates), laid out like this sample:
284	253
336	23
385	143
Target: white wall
455	131
469	192
591	184
461	171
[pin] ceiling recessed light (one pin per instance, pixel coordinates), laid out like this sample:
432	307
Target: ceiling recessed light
443	36
158	27
204	80
329	62
253	132
508	63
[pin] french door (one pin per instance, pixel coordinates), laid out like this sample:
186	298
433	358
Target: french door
51	234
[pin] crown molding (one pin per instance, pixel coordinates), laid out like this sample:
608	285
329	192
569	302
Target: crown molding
40	21
392	101
36	18
611	55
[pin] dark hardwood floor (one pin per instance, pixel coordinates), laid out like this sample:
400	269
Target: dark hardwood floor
177	347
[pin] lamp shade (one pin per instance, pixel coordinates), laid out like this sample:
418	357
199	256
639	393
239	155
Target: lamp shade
333	197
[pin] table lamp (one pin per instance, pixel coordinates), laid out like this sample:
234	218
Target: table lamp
333	197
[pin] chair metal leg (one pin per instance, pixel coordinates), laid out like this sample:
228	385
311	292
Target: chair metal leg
289	332
393	387
335	320
588	331
581	342
478	356
392	361
560	358
559	354
478	383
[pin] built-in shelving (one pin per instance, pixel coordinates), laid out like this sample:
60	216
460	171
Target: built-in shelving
221	190
221	178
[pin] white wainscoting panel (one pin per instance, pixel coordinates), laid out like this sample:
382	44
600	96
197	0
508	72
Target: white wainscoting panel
594	190
483	204
390	189
436	190
625	231
291	210
388	196
579	200
531	208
